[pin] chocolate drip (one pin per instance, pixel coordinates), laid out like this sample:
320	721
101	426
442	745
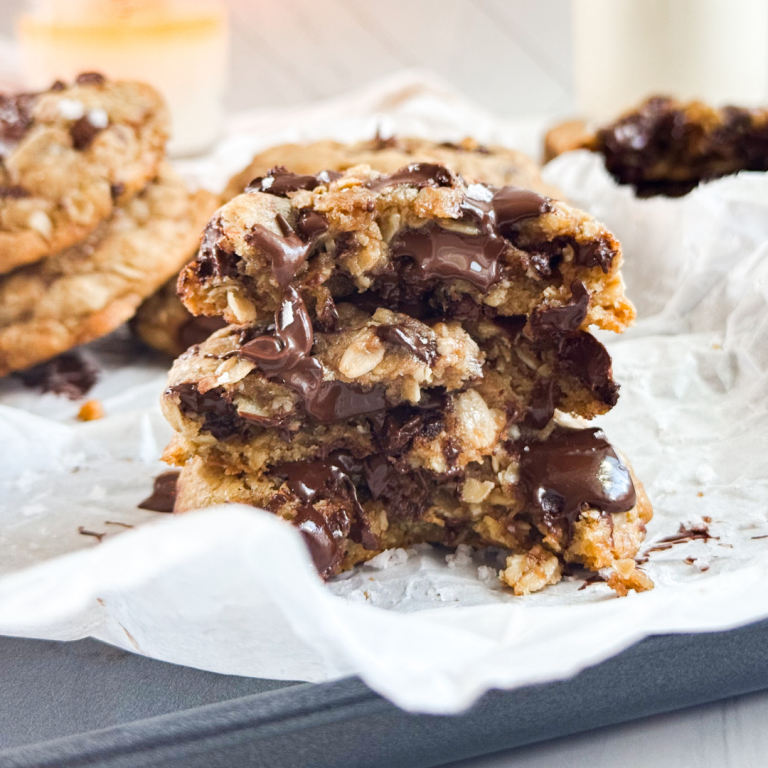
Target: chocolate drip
416	175
15	118
163	494
280	181
69	374
213	261
287	253
440	254
564	319
195	330
285	357
418	344
571	470
311	224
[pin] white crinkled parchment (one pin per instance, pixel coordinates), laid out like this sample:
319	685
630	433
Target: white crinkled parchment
232	589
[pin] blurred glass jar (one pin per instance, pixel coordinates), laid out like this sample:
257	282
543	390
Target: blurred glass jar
626	50
178	46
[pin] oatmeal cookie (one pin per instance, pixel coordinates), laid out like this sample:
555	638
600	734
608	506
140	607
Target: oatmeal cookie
421	241
166	325
68	157
564	496
494	165
89	289
667	147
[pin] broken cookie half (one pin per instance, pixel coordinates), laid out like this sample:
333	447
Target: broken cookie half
400	354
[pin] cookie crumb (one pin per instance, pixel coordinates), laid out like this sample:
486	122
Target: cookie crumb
91	410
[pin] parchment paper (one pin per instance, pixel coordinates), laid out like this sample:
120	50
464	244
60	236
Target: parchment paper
232	589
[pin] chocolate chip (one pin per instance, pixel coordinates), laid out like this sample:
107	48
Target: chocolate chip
90	78
69	374
163	494
83	132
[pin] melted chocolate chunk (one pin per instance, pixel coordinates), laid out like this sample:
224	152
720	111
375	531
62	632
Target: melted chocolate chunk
597	254
90	78
69	374
542	407
13	193
83	132
416	175
280	181
287	253
440	254
571	470
220	417
213	262
588	360
196	330
562	320
311	224
511	205
285	357
321	539
326	315
15	118
163	494
419	345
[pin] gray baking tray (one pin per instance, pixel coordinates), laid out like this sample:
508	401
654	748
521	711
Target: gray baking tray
88	704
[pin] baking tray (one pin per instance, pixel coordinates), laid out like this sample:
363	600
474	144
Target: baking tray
88	704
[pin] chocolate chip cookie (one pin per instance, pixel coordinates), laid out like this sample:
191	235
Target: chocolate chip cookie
89	289
403	348
68	157
667	147
494	165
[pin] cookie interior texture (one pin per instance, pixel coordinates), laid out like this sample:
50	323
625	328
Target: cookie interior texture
401	349
667	147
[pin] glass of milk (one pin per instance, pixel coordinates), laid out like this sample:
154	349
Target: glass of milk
178	46
712	50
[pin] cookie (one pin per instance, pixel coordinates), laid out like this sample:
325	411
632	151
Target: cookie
493	165
667	147
420	241
91	288
350	509
166	325
68	157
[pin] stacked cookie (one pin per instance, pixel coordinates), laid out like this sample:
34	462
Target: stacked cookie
400	354
162	321
92	219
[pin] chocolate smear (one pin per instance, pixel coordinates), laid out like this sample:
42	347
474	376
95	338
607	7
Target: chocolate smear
542	406
285	357
287	253
683	536
443	255
570	471
163	494
418	344
85	532
416	175
69	374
